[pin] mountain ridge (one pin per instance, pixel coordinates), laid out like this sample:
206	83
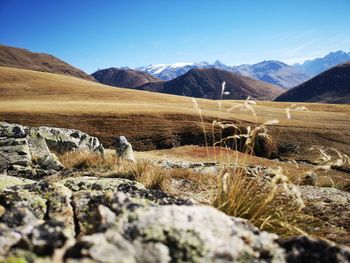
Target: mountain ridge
123	77
24	59
315	66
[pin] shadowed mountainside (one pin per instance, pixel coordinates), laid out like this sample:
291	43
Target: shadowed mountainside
331	86
25	59
206	83
125	78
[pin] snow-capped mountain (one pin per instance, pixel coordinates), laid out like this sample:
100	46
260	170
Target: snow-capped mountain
318	65
273	72
171	71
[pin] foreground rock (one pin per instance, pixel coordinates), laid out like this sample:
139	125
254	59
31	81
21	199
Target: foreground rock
91	219
27	152
331	206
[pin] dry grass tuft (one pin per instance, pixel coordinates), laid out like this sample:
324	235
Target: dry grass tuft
150	175
108	165
273	206
85	160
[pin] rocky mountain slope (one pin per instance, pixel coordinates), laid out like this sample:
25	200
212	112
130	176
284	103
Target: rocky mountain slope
273	72
124	78
25	59
331	86
67	217
207	83
316	66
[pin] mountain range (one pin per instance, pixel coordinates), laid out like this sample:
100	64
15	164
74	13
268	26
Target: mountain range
331	86
207	83
271	71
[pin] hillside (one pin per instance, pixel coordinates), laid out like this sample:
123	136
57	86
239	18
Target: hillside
120	77
163	121
331	86
25	59
206	83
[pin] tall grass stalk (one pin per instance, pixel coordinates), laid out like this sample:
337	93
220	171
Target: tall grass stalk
199	110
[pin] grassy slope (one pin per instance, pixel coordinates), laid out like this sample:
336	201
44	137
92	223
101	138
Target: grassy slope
21	58
36	98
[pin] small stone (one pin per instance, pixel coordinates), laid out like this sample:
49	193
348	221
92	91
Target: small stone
123	149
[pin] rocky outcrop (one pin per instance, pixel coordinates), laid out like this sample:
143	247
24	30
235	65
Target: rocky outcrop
65	140
27	152
92	219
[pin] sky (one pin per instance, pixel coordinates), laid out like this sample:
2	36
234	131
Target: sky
93	35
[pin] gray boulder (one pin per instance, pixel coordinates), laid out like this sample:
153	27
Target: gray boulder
28	152
24	152
64	140
123	149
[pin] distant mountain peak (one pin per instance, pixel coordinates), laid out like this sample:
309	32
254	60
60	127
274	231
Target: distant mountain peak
315	66
218	63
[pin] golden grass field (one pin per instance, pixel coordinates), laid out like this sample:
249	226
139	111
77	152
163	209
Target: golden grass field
152	120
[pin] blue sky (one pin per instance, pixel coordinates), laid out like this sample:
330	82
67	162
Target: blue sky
99	34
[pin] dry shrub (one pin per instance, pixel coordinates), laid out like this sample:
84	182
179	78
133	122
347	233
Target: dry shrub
273	206
150	175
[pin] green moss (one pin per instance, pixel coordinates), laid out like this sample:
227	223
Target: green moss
154	233
246	258
7	181
14	259
185	246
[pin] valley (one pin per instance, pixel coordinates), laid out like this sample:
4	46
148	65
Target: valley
163	121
